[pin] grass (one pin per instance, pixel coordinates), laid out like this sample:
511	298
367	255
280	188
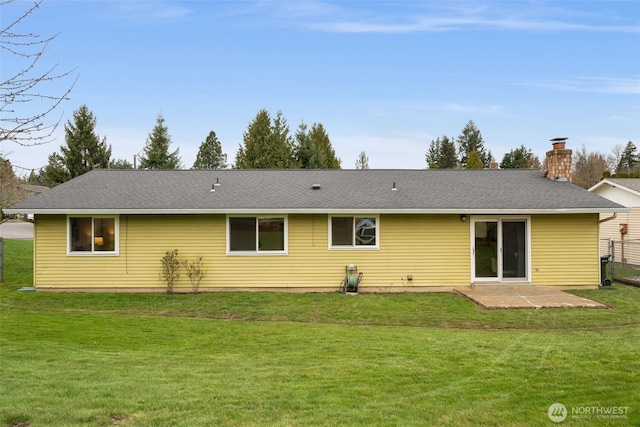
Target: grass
266	359
625	270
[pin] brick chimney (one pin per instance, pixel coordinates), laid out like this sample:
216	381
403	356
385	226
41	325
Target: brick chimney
559	161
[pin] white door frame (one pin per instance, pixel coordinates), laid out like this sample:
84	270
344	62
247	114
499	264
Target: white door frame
499	219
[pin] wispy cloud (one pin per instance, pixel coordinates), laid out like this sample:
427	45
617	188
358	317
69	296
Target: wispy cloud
152	11
610	85
486	109
490	109
439	17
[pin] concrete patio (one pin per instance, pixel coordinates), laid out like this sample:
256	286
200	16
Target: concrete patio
524	296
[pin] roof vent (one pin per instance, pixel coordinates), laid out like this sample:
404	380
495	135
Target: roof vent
394	187
315	186
213	187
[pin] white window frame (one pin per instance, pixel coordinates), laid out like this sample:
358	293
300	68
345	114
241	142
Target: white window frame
257	251
499	277
354	247
93	252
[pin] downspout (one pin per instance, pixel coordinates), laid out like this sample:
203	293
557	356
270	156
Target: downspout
615	214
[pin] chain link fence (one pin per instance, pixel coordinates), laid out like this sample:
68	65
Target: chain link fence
624	260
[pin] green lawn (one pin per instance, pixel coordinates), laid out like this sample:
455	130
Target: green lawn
266	359
624	270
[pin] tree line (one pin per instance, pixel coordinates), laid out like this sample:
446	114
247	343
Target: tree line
269	143
467	151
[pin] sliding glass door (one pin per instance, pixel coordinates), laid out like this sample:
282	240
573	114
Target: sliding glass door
500	249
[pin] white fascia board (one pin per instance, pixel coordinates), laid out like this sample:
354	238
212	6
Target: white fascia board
615	185
600	184
314	211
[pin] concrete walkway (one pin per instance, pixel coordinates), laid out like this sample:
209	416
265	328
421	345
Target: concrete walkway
524	296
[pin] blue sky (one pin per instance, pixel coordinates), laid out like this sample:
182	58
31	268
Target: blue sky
382	77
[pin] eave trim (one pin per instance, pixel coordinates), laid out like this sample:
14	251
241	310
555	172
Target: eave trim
313	211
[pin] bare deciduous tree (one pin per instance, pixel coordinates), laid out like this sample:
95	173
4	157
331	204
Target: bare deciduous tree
588	167
26	98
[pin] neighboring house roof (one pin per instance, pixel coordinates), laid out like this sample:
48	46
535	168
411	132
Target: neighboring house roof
289	191
630	185
36	189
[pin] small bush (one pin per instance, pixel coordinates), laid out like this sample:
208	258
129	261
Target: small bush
195	272
169	273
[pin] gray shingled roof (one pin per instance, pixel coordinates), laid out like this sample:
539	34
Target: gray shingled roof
288	191
632	184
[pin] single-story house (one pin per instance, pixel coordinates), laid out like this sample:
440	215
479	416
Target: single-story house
298	230
625	226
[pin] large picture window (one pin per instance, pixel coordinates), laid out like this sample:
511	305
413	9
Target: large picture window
257	235
353	232
92	235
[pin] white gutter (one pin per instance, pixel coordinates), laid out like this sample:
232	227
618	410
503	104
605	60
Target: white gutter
313	211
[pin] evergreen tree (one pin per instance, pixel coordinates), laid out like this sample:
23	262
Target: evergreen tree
448	157
256	143
362	162
313	149
471	140
120	164
474	161
629	160
33	179
433	154
306	154
156	151
84	150
267	145
320	139
281	143
442	154
55	172
520	158
210	154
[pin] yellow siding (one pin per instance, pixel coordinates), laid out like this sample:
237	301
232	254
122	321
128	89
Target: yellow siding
564	250
143	242
433	249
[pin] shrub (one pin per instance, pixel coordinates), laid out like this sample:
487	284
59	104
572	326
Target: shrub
169	273
195	272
